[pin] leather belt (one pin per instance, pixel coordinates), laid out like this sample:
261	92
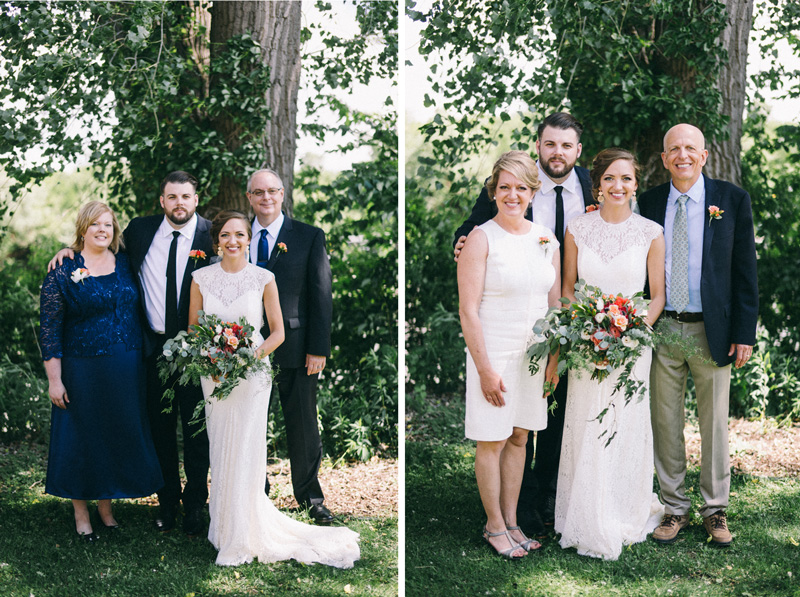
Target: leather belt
684	317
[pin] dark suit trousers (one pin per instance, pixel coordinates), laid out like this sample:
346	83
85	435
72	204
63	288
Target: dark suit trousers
164	429
298	396
540	482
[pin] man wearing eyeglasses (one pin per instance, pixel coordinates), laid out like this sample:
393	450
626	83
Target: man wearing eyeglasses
295	253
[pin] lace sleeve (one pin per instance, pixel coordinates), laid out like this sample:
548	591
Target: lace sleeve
264	277
652	229
52	308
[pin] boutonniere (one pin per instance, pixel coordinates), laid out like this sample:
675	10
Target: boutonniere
544	241
591	208
80	274
282	248
714	213
197	255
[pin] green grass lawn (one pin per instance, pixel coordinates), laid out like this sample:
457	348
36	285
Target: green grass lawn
40	554
446	556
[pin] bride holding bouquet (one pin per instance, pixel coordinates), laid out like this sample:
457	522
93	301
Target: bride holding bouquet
244	523
605	493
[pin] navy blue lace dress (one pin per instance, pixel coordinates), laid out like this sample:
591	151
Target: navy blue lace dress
100	446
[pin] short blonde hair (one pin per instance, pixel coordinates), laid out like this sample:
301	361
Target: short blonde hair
88	213
518	163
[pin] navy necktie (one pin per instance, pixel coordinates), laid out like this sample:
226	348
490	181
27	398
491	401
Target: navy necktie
171	311
263	249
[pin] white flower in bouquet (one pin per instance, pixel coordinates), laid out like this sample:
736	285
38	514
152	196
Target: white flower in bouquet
629	342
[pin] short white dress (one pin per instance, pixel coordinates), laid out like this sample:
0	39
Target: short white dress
519	275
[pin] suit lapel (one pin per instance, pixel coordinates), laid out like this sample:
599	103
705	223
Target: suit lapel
286	228
191	264
661	206
708	230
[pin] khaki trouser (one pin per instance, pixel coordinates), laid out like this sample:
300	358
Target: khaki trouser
667	397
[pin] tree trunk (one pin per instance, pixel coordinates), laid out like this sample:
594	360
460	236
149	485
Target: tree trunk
724	155
276	26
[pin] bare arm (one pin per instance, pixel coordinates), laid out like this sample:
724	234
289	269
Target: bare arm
551	370
195	303
655	276
471	276
570	267
57	391
272	307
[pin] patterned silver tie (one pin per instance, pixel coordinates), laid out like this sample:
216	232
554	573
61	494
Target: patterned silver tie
679	284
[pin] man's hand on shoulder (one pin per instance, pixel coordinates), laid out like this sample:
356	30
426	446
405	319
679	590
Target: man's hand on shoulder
59	258
459	245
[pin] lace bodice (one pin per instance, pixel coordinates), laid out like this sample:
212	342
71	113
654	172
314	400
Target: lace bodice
86	318
232	296
613	257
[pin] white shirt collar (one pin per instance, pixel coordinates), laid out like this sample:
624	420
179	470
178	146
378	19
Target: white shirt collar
696	193
186	230
570	185
272	229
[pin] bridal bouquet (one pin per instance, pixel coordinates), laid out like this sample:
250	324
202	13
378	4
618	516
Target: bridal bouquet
597	333
221	350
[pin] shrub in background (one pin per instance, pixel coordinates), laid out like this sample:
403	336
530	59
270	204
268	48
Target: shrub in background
435	349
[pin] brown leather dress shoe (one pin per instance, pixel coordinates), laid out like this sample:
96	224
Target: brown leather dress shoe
671	525
717	526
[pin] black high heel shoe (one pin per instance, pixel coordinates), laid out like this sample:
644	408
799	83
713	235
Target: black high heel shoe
87	537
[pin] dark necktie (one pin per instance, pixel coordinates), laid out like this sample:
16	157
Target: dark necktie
559	231
171	312
263	249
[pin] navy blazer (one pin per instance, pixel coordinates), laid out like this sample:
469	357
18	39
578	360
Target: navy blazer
138	237
303	276
484	209
729	281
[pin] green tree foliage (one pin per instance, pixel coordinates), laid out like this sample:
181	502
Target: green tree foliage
129	64
628	69
358	208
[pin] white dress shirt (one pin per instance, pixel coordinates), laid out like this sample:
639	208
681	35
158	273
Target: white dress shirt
153	273
696	219
272	236
544	201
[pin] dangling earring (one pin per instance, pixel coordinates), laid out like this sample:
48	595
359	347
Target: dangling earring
600	197
247	254
219	251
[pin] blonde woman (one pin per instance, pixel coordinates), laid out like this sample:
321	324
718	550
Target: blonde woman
508	277
100	443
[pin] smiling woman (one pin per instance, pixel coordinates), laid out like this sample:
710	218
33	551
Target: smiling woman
500	297
100	443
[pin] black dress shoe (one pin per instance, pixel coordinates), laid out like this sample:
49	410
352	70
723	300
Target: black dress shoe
166	519
320	514
531	523
194	522
88	537
548	511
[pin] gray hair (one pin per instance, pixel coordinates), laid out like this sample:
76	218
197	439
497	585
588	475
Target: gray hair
263	171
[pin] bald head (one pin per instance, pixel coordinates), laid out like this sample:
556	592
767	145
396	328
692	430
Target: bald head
684	155
685	130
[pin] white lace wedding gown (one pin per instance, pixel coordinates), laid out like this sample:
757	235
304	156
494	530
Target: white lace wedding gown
605	495
244	523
